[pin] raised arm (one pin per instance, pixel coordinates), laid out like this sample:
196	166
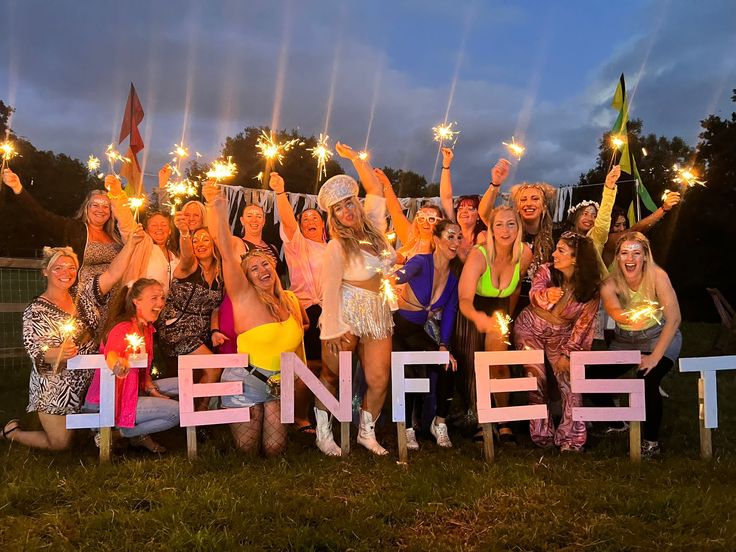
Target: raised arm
402	226
289	224
187	262
363	167
499	173
120	263
448	206
602	226
120	209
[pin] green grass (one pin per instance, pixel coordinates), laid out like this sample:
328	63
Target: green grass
528	500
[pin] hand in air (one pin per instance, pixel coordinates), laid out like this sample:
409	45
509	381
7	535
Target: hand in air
276	183
500	171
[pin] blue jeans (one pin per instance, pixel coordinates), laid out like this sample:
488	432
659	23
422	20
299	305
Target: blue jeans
153	414
168	386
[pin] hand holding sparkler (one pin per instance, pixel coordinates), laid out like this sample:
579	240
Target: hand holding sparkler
447	155
164	174
7	150
113	185
67	330
500	172
113	156
210	192
612	177
12	181
346	152
276	183
670	199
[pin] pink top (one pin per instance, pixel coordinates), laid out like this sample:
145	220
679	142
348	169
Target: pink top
304	259
581	316
126	389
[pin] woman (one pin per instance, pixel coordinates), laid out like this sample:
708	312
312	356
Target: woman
268	322
489	289
304	245
56	328
465	211
559	320
253	220
197	290
141	408
156	258
354	315
425	322
635	282
416	237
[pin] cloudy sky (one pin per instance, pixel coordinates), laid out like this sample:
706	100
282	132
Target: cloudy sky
541	71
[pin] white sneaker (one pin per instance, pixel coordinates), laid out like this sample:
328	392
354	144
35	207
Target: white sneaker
324	438
439	432
411	439
367	434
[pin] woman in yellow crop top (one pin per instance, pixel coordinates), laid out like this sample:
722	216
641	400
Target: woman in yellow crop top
355	317
268	322
489	288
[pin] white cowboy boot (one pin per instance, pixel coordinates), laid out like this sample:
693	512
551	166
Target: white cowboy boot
367	434
325	440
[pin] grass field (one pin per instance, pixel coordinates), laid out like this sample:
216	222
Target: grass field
444	499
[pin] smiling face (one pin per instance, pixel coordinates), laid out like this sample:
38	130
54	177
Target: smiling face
449	241
426	219
619	225
62	274
564	257
253	221
467	212
260	271
159	229
312	226
149	303
202	244
346	212
193	216
98	210
586	220
504	227
631	259
531	205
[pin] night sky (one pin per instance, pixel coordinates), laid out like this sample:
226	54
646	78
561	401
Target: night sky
541	71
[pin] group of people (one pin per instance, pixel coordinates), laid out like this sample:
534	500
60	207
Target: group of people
467	276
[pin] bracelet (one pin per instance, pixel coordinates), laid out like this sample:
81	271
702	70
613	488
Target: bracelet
213	330
445	168
492	184
121	195
187	235
280	193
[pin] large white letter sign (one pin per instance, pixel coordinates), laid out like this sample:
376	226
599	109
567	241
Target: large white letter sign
106	416
633	387
291	366
485	386
188	390
708	366
400	386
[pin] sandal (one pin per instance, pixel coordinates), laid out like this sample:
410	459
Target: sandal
146	442
308	429
7	431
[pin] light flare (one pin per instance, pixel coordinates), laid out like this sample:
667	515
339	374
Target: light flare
504	321
135	344
8	152
363	155
67	331
321	152
274	151
445	132
113	157
686	177
643	311
135	203
220	170
517	149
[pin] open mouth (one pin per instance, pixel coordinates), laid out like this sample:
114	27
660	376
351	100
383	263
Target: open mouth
630	267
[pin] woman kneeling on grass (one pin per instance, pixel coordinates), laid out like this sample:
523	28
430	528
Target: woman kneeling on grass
268	321
141	407
637	286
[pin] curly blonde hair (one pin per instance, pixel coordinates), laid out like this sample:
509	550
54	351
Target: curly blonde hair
648	286
544	243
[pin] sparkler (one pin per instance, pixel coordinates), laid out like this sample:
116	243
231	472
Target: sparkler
665	194
617	142
135	344
646	310
274	151
7	150
135	203
67	330
113	156
515	148
178	191
503	320
220	170
686	178
445	133
93	166
363	155
321	152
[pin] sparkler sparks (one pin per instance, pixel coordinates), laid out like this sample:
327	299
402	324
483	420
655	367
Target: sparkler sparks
220	170
617	141
178	191
517	149
445	133
665	194
273	151
113	156
646	310
685	177
135	344
135	203
93	166
67	330
321	152
7	150
503	320
363	155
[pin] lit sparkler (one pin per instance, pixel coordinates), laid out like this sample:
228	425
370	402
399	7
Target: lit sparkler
665	194
178	191
274	151
135	344
135	203
646	310
363	155
220	170
321	152
67	330
686	178
93	166
445	133
517	149
113	156
7	150
617	141
504	321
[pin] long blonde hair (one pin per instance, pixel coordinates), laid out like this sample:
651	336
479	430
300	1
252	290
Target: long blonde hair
648	287
544	243
280	298
490	241
215	255
110	227
348	236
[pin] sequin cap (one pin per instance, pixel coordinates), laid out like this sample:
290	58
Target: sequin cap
336	189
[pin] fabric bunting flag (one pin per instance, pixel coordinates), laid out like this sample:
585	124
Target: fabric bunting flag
132	117
627	162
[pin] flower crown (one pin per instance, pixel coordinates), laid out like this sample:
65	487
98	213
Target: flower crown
582	205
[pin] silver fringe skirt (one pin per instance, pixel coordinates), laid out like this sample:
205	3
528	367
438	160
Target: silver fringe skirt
366	312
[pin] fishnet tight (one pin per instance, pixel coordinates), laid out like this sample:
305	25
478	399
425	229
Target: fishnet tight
264	432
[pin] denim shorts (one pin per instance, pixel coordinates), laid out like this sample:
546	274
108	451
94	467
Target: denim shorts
255	391
645	341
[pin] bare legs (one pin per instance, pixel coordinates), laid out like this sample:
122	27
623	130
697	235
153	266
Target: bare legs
54	436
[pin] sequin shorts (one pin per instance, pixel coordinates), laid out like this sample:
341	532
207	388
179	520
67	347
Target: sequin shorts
366	312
